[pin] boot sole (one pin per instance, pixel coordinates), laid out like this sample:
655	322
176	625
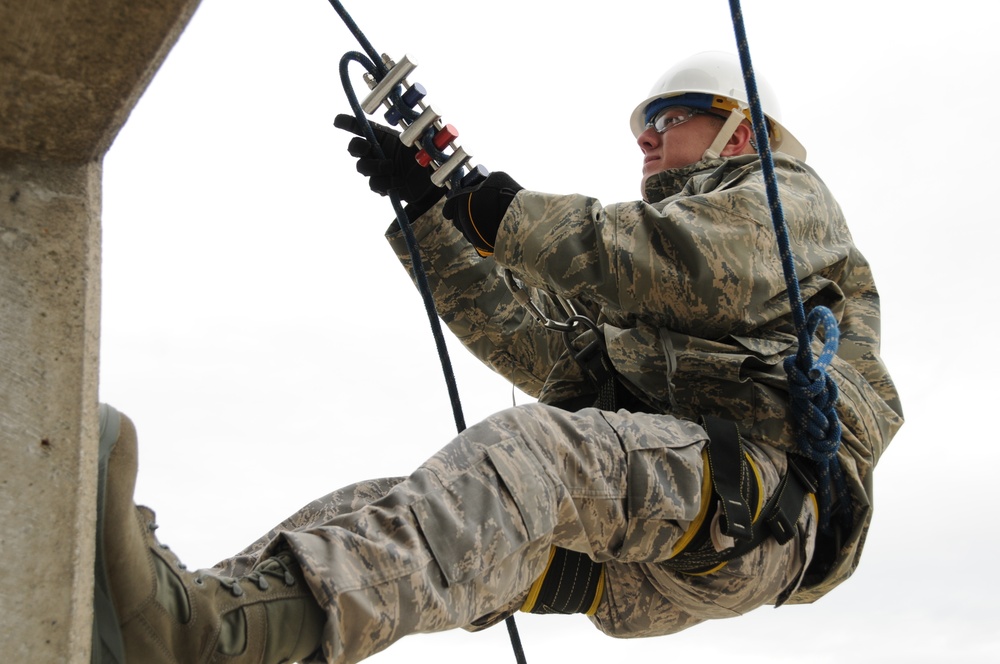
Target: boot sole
107	645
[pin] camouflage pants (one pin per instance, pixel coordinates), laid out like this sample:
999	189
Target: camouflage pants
465	536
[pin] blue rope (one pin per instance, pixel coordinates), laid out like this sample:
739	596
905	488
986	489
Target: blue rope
813	393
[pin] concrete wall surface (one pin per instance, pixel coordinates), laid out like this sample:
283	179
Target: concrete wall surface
49	327
70	73
72	70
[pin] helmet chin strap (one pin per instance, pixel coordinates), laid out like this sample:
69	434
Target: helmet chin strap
719	144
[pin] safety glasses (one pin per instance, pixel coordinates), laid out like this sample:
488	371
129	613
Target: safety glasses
674	116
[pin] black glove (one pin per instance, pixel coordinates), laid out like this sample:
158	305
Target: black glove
398	171
477	210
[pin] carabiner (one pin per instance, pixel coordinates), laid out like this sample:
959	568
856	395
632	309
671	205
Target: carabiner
524	299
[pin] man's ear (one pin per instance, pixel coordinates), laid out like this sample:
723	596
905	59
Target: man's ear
739	142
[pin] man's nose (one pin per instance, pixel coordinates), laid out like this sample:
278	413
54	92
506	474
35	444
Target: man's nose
649	138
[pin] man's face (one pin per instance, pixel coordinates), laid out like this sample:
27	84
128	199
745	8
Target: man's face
680	144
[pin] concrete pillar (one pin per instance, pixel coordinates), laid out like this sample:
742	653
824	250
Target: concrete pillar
49	331
70	73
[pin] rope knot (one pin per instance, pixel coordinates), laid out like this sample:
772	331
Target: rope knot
813	398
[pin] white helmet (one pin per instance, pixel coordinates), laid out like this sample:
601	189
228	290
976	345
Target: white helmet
714	79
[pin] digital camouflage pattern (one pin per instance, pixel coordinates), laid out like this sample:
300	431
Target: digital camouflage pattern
459	542
689	295
688	289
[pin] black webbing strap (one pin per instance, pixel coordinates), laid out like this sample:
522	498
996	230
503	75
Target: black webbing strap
609	391
797	483
735	487
571	583
596	367
731	477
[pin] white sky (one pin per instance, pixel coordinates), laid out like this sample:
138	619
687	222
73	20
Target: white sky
258	329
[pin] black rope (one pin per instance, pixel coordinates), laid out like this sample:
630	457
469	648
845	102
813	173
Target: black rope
377	69
373	55
411	242
515	640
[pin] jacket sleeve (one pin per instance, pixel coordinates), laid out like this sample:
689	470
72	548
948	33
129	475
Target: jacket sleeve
474	302
704	264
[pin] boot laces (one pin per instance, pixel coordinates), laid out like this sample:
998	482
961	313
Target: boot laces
152	528
276	566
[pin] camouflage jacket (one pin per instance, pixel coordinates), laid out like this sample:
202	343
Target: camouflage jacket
688	292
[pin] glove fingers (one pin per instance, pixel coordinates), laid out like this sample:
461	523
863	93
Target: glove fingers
382	184
384	135
374	167
348	123
359	147
396	171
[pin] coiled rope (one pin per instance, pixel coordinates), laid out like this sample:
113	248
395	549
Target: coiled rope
813	392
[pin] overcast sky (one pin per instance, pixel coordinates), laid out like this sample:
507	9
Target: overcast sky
260	333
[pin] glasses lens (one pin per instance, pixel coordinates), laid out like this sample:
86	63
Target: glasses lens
670	117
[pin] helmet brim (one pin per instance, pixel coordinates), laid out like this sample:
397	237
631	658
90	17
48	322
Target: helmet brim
782	140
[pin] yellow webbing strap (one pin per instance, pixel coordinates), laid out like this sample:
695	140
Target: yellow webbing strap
706	502
536	587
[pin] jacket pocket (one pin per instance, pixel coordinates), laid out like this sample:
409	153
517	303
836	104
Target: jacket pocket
664	484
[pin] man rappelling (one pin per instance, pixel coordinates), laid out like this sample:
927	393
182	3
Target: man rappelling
659	473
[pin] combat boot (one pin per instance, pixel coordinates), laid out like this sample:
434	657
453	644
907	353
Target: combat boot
149	609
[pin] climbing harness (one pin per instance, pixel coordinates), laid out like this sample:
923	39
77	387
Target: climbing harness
731	481
815	472
734	486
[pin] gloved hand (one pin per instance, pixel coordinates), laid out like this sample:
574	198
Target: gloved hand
398	171
477	210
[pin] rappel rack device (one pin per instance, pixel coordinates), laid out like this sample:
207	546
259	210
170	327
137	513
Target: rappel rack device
452	168
421	125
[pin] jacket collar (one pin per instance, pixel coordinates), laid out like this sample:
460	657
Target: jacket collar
694	177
